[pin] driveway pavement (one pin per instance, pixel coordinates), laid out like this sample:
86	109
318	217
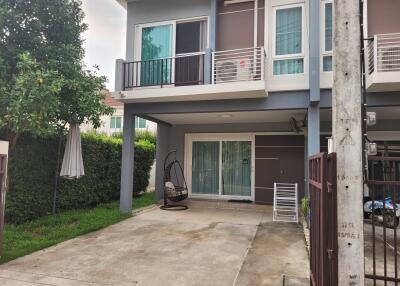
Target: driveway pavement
200	246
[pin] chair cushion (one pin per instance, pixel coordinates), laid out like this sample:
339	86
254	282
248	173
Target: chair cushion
170	185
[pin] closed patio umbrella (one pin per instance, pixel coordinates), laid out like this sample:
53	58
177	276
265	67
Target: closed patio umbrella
72	165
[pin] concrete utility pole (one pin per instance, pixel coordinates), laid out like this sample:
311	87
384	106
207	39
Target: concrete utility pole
347	141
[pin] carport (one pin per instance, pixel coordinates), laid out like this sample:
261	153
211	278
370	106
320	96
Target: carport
226	120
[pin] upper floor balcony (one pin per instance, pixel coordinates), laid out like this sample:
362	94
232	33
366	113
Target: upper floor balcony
383	63
205	75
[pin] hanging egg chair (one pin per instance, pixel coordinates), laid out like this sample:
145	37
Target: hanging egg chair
175	187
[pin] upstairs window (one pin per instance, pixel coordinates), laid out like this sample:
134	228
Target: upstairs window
115	122
288	48
327	49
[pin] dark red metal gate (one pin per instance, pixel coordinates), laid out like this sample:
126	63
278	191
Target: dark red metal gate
382	245
323	220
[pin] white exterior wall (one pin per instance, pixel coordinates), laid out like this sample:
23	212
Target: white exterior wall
106	120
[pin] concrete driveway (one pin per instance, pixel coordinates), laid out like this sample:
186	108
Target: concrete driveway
200	246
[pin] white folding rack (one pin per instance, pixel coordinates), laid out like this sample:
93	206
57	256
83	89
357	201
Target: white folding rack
285	203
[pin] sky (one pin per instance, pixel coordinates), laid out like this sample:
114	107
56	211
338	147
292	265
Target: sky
105	37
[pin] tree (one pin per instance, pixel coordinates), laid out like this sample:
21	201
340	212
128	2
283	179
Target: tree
43	82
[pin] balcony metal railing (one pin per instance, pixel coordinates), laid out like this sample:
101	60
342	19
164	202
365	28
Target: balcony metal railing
383	53
238	65
187	69
196	69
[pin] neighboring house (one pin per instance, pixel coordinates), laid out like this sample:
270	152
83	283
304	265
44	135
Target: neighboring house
242	89
114	123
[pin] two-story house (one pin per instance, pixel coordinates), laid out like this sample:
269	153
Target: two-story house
242	88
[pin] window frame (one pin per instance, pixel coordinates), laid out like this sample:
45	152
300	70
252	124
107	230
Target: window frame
300	55
324	52
137	123
115	122
139	29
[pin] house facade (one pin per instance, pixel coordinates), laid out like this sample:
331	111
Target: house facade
113	123
242	89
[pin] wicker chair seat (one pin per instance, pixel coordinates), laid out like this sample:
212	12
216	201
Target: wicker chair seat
175	193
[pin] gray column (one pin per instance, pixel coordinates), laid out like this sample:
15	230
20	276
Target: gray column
213	25
313	136
315	52
119	75
128	151
208	66
306	191
313	146
163	135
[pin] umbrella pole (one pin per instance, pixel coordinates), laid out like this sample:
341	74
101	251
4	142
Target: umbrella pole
56	176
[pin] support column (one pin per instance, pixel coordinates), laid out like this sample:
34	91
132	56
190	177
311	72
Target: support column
213	24
306	191
163	132
208	66
119	75
128	152
212	43
347	141
313	133
313	122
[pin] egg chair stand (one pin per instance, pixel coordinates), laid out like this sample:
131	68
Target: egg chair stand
174	193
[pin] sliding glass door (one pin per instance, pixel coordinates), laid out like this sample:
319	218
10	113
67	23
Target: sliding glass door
205	168
236	168
221	167
170	52
156	45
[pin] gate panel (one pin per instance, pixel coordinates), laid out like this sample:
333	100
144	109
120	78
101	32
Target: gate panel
323	220
382	244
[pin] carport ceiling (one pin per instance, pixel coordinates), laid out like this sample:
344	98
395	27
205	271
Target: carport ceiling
231	117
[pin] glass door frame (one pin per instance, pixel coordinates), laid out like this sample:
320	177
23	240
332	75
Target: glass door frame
137	55
220	137
138	43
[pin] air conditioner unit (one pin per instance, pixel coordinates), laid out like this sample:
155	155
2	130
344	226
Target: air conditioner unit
233	70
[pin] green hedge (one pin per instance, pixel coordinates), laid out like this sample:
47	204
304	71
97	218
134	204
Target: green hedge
140	135
32	170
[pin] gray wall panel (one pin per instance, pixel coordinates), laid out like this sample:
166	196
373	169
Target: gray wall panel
155	11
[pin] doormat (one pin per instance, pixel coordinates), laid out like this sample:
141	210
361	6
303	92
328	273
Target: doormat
295	281
240	201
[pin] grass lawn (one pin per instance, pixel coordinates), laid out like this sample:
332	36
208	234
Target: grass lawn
20	240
